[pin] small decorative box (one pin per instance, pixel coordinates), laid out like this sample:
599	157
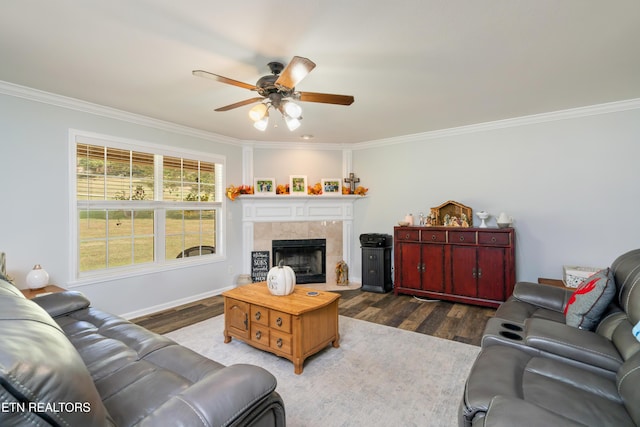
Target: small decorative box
573	275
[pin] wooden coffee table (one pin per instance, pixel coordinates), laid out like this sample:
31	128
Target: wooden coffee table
294	326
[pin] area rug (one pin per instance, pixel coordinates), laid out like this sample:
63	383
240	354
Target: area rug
380	376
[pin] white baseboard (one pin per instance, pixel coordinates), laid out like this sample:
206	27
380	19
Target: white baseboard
160	307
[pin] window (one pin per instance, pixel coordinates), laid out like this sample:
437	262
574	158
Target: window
139	206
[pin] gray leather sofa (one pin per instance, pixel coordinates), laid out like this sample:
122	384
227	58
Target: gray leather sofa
64	363
535	370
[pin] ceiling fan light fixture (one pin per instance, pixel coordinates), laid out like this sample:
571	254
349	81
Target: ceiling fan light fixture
261	124
292	123
292	109
258	112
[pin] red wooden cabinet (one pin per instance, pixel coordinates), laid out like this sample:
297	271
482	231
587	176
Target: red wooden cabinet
471	265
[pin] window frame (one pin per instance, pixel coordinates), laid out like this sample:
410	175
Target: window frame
160	207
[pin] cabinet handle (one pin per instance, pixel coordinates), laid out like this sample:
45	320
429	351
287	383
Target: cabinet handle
473	273
258	335
479	272
246	321
279	321
279	343
258	315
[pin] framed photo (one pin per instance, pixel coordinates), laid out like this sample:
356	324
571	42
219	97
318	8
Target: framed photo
264	186
331	187
298	185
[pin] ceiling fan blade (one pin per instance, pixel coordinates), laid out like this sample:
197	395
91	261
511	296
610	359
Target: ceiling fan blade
240	104
326	98
208	75
294	72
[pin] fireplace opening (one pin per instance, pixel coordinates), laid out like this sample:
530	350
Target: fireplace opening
307	258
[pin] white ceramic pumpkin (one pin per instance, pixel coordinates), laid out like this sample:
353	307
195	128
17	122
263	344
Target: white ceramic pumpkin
281	280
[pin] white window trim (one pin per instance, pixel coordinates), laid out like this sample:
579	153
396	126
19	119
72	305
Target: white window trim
76	279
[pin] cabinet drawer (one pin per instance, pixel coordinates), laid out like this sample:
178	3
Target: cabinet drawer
501	239
439	236
462	237
408	235
281	342
280	321
260	334
259	315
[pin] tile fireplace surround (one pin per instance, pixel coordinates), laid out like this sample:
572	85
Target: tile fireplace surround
265	218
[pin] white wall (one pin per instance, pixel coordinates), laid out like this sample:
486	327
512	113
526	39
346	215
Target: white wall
572	184
313	162
570	181
34	218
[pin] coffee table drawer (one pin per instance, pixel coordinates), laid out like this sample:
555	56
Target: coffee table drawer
259	315
280	321
281	342
260	333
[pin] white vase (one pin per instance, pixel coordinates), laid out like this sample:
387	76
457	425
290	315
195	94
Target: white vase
37	278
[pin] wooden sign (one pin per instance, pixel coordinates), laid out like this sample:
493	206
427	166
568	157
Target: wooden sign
259	265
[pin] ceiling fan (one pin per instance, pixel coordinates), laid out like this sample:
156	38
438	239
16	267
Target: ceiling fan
278	91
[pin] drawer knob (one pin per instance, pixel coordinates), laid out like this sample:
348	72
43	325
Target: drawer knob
433	237
279	321
406	236
258	335
279	342
462	238
493	239
258	315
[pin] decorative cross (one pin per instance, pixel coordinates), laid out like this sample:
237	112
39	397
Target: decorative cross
352	181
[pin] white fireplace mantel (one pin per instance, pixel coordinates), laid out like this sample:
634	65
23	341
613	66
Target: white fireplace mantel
283	208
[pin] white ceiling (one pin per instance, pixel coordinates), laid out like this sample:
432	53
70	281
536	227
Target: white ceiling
413	66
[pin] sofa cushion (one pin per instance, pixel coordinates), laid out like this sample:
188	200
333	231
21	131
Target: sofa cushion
590	300
42	376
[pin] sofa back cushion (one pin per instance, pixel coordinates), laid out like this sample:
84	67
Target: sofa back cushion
626	271
42	377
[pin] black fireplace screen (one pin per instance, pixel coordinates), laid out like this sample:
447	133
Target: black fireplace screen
307	258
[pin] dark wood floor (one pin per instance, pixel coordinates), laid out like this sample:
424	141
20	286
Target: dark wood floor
458	322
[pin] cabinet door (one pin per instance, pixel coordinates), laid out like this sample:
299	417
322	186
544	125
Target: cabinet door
409	268
491	273
236	317
433	268
464	271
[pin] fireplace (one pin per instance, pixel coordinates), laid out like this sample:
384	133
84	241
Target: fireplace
307	258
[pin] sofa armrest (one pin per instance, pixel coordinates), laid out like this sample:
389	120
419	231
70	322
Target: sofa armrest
572	343
236	395
506	411
545	296
61	303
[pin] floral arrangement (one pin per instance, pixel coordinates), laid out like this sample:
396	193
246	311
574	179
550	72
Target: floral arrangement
233	191
359	191
315	189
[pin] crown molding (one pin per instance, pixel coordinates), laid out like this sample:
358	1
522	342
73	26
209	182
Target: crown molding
31	94
572	113
12	89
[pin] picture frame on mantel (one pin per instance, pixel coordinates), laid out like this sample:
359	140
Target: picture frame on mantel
264	186
331	186
298	185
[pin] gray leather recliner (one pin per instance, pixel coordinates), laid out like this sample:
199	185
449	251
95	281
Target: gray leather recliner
64	363
536	370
